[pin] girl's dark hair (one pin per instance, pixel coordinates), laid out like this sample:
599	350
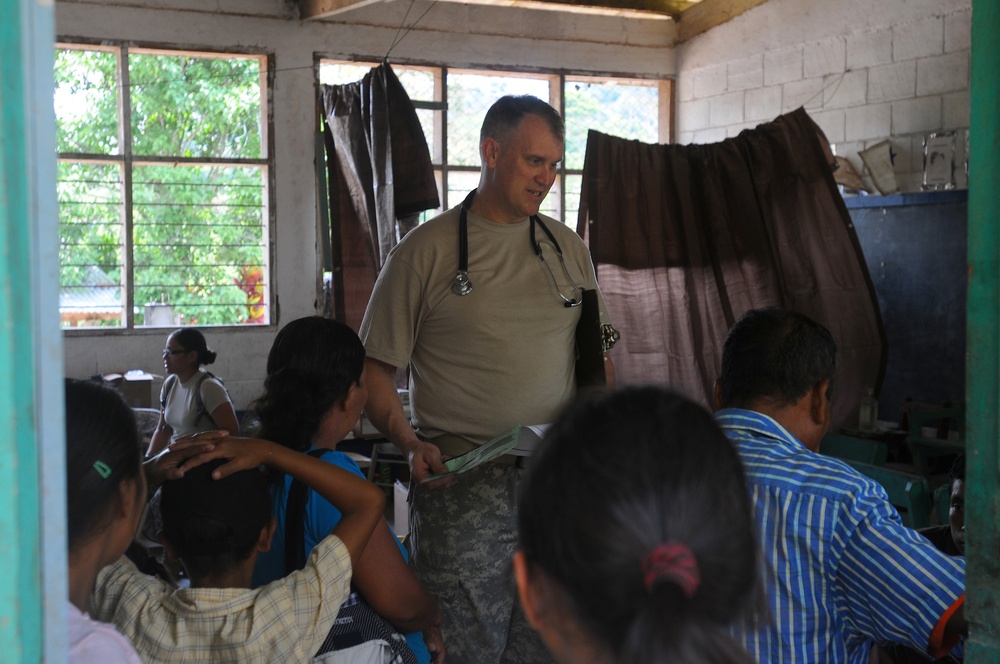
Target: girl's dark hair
618	475
102	451
191	339
311	366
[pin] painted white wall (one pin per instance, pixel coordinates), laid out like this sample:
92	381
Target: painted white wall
453	34
866	72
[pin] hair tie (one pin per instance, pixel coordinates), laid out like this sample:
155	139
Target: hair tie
103	469
672	562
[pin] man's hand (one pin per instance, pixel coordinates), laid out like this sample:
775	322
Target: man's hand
434	642
167	465
425	460
241	453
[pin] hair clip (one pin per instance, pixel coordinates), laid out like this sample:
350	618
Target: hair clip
103	469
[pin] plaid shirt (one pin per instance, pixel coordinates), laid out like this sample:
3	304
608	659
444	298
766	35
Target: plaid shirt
841	569
284	621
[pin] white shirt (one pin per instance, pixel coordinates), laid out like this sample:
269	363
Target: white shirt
92	642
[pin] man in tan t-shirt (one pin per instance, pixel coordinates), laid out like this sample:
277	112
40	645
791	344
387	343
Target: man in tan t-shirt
488	349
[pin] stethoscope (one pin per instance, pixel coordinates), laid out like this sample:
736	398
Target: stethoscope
461	285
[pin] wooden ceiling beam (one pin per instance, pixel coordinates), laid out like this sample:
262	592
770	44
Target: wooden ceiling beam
316	9
707	14
660	9
693	17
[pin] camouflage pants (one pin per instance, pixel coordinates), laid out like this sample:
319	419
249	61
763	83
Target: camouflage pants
463	539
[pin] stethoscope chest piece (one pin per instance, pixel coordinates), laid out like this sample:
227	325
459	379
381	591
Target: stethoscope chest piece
461	284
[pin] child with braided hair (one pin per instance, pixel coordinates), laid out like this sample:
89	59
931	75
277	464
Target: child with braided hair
648	561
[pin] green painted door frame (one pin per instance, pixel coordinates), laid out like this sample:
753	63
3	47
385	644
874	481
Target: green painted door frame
32	502
983	363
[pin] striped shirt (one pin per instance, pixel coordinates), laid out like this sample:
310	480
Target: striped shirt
841	569
283	621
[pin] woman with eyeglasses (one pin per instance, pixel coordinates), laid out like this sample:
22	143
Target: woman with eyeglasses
191	399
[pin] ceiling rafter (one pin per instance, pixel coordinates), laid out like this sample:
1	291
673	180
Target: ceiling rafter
659	9
693	16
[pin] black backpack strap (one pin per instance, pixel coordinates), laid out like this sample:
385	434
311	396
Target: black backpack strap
200	400
168	384
295	521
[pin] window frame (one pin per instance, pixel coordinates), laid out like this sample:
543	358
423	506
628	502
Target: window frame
128	161
557	84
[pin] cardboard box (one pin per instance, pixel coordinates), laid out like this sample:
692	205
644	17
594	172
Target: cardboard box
136	387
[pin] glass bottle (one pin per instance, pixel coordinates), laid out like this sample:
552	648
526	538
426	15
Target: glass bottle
868	413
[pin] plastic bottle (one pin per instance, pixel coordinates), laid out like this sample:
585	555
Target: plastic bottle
868	413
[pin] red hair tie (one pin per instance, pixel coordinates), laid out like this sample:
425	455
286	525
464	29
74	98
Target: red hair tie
671	562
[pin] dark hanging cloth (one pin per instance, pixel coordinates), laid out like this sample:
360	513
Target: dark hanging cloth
380	180
686	238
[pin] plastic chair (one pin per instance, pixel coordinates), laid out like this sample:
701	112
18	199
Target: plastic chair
850	448
924	448
385	452
942	504
909	494
146	419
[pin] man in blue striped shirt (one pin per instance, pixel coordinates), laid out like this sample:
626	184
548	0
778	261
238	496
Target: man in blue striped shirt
842	572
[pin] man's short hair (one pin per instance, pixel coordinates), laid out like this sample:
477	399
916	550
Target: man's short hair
214	524
508	111
774	355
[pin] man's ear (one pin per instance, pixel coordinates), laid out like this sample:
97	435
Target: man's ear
490	150
717	395
353	394
819	404
129	499
534	598
266	535
168	548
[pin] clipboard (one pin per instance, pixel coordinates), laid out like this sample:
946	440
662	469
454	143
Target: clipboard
519	441
589	349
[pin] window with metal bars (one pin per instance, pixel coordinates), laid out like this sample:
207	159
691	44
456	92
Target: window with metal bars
163	173
452	103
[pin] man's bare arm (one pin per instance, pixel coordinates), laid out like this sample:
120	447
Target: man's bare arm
385	410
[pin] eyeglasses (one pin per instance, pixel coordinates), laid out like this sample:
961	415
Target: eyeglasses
167	352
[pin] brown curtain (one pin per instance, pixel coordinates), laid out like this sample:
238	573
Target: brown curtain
686	238
380	179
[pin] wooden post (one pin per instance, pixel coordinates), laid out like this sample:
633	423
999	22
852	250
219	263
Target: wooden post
33	594
983	371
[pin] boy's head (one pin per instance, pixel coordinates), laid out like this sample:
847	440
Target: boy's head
212	525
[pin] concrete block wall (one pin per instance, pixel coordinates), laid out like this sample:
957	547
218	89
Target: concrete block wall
863	82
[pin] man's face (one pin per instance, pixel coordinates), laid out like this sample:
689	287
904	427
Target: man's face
956	514
524	166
